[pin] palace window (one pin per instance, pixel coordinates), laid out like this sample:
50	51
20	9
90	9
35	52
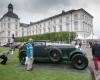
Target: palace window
33	27
83	26
60	20
23	33
44	30
54	28
49	23
16	26
75	25
75	16
67	27
54	22
48	29
9	40
33	32
67	18
22	29
44	25
9	25
36	27
40	31
9	33
36	31
60	27
8	19
83	16
16	20
16	33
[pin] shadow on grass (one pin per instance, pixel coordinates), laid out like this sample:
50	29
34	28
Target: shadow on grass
61	66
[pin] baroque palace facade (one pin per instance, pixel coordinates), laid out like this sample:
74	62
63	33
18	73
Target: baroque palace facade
78	21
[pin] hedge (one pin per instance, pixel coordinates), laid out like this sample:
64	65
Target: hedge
54	36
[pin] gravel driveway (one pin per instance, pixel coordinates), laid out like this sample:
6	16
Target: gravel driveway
90	58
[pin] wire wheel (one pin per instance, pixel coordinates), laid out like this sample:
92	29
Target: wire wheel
22	57
55	56
79	61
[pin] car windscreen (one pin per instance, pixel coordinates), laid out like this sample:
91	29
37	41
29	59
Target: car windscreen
39	43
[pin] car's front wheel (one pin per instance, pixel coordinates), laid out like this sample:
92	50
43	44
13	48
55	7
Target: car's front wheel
79	61
22	57
55	56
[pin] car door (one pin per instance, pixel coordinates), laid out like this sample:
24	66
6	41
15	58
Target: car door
39	50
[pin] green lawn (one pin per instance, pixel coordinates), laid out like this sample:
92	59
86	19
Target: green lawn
12	72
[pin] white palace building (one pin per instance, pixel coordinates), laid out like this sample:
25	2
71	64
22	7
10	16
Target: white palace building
78	21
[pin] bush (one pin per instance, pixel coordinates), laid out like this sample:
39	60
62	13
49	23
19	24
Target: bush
54	36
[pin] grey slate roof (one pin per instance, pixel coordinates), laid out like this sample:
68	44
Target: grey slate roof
10	14
63	13
24	25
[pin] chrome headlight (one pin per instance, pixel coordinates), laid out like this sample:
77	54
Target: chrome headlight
77	46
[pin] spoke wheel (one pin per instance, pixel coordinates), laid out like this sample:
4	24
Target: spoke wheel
55	56
79	61
22	57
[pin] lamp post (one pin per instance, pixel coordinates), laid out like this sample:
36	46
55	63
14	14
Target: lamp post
72	37
69	37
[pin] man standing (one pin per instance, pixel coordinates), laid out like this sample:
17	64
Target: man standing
4	56
96	54
29	54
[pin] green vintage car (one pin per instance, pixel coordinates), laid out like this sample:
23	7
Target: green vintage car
56	53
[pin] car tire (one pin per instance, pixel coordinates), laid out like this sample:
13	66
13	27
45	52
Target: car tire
79	61
22	57
55	56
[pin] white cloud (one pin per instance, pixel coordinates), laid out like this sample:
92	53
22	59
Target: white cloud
33	10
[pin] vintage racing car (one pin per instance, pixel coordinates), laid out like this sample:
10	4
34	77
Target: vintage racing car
56	53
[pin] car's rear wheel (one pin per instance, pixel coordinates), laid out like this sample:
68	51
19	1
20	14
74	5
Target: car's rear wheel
22	57
79	61
55	56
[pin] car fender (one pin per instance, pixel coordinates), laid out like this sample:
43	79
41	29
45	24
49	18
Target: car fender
75	52
22	51
55	48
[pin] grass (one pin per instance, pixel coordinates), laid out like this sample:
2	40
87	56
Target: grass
12	72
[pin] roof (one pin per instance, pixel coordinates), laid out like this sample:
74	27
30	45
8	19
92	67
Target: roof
24	25
11	14
86	12
61	14
50	18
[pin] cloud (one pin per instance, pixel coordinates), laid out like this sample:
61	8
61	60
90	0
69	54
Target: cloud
34	10
41	6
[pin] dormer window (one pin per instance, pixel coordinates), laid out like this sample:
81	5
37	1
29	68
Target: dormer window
16	20
60	20
75	16
8	19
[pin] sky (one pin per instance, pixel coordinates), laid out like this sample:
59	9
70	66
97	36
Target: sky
36	10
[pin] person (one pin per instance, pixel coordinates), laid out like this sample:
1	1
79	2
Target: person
90	44
12	47
29	54
77	43
80	43
96	54
3	56
73	42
